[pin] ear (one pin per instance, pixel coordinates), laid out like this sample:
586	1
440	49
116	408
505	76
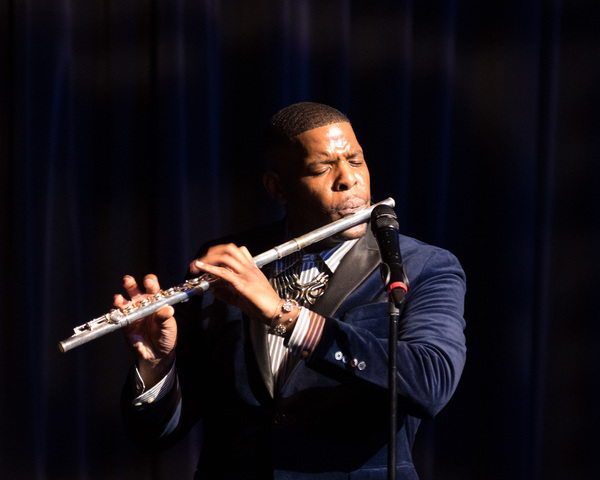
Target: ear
273	184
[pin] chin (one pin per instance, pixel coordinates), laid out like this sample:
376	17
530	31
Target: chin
352	233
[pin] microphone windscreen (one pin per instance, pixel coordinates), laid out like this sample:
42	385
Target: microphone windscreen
384	216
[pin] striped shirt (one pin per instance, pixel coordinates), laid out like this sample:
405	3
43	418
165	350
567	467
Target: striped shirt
309	326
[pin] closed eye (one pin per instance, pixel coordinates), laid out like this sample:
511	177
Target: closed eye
355	159
319	168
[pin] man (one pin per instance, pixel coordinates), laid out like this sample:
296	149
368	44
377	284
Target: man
287	366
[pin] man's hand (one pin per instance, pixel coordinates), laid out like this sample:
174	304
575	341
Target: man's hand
153	338
242	283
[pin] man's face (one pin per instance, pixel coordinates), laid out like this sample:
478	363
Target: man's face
324	179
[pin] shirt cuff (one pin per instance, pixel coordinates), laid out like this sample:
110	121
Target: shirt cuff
307	333
157	392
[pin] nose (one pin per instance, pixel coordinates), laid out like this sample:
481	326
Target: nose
345	178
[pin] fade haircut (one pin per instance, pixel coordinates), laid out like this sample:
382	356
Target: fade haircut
293	120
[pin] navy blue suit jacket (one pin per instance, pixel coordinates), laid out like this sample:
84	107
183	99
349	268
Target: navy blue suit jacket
330	419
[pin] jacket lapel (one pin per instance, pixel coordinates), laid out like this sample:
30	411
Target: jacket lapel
260	346
354	268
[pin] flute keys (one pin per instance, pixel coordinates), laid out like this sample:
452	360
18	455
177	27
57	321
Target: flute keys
142	303
129	308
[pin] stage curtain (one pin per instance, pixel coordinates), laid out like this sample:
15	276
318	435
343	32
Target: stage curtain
130	134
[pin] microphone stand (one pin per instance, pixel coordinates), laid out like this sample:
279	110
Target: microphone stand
394	311
385	226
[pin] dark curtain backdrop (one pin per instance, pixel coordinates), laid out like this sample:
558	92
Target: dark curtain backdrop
128	136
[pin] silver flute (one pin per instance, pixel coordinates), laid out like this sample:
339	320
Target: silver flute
117	319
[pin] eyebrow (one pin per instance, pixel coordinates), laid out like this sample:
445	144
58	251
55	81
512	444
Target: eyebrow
356	153
319	155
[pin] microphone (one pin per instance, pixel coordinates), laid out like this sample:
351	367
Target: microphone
385	227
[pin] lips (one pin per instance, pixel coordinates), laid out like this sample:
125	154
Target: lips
350	206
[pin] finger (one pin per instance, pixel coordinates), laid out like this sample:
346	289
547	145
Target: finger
230	256
194	269
131	286
242	255
223	273
247	254
219	256
165	313
151	284
119	301
197	267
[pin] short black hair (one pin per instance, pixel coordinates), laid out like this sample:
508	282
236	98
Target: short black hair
301	117
295	119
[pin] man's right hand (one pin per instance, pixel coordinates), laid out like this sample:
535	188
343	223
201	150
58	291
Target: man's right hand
152	338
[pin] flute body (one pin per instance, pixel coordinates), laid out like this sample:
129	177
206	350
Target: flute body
117	319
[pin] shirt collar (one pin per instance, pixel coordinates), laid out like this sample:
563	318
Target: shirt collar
331	257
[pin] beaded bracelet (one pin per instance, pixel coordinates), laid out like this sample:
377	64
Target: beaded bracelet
286	308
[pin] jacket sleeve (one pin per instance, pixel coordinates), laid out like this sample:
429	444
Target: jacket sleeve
431	341
152	423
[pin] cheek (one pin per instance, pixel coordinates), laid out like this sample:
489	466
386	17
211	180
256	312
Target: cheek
364	180
314	188
304	196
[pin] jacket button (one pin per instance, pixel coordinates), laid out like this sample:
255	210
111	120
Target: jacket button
362	365
339	355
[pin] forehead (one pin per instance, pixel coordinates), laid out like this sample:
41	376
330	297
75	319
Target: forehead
293	156
327	139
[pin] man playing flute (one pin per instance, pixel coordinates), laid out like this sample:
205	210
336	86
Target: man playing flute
286	366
